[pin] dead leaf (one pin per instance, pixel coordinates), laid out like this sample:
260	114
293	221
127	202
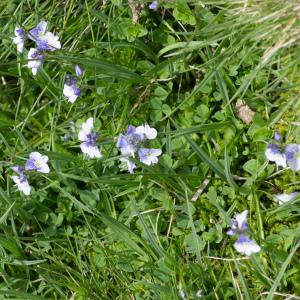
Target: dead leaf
136	10
244	112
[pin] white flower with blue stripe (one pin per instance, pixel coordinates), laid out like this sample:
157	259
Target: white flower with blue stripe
89	139
243	244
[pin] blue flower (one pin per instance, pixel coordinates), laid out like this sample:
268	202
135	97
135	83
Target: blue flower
153	5
130	164
131	142
292	153
37	162
146	132
128	143
245	245
239	223
38	31
78	71
274	154
18	169
149	156
283	198
89	139
21	180
45	40
34	60
277	136
71	90
19	39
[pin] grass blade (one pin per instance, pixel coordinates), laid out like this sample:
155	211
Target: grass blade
102	66
214	165
282	272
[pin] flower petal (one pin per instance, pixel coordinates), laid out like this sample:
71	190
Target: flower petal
91	151
283	198
292	152
241	219
22	185
246	246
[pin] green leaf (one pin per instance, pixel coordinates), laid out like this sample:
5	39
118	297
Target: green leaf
214	165
245	288
200	128
183	13
10	245
126	235
5	215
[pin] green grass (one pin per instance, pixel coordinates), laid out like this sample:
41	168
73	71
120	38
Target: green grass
90	230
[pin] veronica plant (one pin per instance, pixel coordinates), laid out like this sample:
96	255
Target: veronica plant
243	243
45	40
292	153
149	156
283	198
37	162
78	71
35	58
133	141
289	156
274	152
19	39
71	90
153	5
129	142
89	139
21	180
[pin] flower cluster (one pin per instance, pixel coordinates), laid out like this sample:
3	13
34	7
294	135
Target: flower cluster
283	156
71	90
36	162
132	141
243	244
45	41
128	144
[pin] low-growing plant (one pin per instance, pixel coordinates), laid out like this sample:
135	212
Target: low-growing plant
136	138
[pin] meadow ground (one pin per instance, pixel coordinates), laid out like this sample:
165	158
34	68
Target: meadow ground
123	212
